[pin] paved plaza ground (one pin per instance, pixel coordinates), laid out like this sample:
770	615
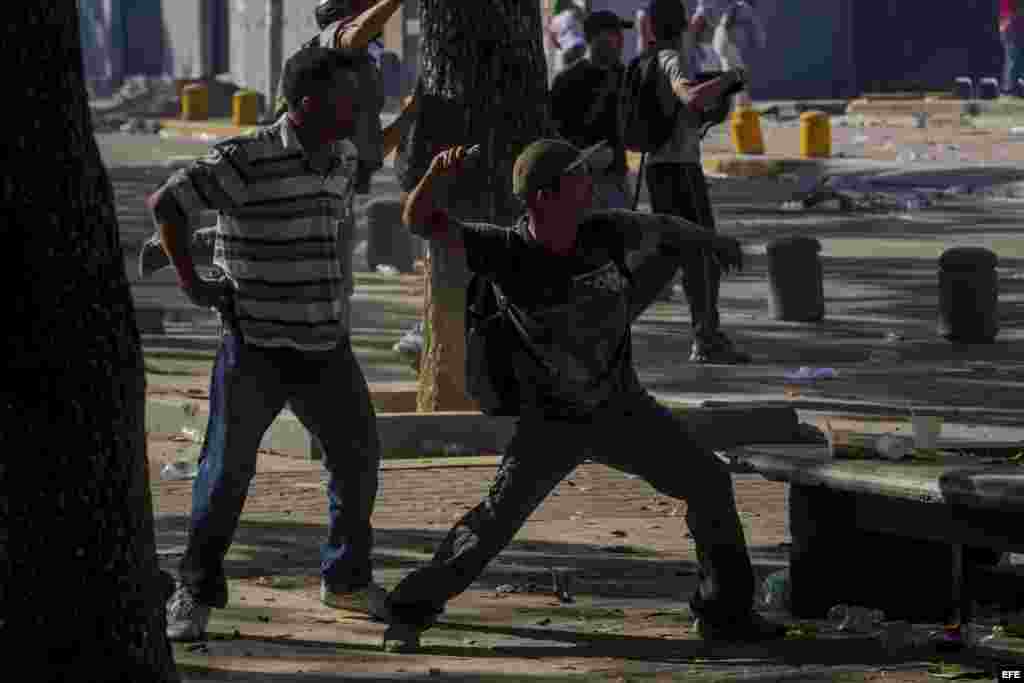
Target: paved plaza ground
626	546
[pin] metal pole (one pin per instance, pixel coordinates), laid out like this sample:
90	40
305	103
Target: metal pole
275	53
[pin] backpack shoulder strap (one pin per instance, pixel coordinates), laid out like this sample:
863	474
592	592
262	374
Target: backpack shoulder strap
511	312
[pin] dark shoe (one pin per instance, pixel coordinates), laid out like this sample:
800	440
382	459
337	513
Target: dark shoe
717	349
751	629
371	600
402	638
187	618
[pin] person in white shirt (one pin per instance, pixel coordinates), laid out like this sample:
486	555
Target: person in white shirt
565	33
733	30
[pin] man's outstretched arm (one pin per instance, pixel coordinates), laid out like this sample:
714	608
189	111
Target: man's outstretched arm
672	233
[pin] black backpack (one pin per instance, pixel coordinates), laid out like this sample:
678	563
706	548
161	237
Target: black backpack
495	330
646	126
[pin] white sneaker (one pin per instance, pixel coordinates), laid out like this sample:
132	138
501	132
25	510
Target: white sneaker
186	617
372	600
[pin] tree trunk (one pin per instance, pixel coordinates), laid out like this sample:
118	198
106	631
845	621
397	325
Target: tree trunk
483	79
81	594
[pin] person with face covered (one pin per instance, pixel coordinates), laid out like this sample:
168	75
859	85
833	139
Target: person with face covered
584	105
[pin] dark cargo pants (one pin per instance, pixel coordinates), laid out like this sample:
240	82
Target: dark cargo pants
543	452
682	190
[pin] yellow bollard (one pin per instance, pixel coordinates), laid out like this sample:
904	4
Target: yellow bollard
745	128
815	134
244	105
195	102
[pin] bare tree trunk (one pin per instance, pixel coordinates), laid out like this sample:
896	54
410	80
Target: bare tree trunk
483	79
81	594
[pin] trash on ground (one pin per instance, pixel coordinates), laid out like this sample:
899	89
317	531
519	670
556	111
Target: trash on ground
806	373
855	619
179	470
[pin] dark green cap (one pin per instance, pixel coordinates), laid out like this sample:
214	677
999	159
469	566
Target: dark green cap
542	161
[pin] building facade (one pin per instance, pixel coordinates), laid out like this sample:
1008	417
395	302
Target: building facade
816	48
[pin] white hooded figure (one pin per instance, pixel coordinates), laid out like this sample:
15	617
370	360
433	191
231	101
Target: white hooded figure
736	34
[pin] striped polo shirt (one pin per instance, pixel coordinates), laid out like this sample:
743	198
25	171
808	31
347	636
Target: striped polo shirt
284	233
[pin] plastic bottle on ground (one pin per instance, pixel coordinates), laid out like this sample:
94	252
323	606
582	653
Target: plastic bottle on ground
775	590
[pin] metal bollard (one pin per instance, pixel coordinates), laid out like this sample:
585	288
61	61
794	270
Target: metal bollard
745	130
195	102
815	135
244	108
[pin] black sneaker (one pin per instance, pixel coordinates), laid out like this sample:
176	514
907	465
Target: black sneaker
717	349
403	638
751	629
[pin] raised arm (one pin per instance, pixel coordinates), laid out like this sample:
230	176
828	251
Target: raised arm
396	129
357	33
423	214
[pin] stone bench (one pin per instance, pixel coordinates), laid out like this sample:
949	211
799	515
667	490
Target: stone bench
917	540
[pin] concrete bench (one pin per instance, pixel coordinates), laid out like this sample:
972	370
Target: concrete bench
917	540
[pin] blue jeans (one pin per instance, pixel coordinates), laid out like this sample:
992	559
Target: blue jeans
542	452
1013	69
328	393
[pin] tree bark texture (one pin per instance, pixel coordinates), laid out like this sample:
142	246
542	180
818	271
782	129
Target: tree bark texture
483	80
81	594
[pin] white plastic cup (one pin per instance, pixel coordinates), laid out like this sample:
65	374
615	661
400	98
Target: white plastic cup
926	430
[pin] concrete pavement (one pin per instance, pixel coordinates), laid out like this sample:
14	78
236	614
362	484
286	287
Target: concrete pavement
880	280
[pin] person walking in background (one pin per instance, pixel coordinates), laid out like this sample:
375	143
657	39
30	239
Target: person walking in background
1011	32
733	31
565	32
675	177
584	106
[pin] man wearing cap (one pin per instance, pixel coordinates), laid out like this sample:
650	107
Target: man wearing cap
584	105
561	270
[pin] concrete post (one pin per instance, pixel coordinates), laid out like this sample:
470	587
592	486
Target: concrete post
275	50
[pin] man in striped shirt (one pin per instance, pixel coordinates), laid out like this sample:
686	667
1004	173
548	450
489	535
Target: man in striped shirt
284	198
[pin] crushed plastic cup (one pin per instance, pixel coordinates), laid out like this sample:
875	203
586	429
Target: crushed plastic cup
926	430
178	471
855	619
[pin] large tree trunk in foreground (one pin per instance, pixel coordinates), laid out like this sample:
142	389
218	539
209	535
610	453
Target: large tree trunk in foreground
81	595
482	80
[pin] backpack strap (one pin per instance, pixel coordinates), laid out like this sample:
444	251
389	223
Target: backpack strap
511	312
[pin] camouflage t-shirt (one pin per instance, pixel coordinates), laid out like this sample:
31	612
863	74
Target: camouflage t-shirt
575	310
